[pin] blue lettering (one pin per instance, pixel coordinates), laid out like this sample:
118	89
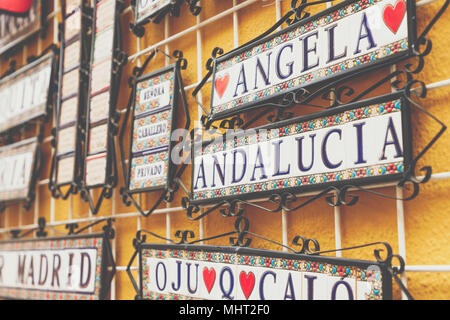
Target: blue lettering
368	35
395	141
261	282
325	159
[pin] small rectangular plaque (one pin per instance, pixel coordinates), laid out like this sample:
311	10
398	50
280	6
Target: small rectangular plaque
96	170
17	163
149	8
24	94
191	272
349	37
363	142
65	170
68	268
153	119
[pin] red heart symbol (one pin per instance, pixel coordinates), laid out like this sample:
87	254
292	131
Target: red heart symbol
209	277
247	283
222	84
393	17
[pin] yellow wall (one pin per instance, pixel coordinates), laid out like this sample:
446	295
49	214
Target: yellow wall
427	218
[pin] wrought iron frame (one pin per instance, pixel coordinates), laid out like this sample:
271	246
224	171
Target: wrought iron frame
84	38
172	186
108	268
173	8
219	56
401	81
240	239
119	59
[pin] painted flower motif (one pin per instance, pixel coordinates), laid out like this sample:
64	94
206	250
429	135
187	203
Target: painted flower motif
359	113
389	107
341	271
361	173
392	168
330	120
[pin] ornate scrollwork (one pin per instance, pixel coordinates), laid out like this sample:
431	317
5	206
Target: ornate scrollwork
241	227
305	245
184	235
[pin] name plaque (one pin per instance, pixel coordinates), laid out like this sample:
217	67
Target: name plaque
17	169
149	8
360	143
102	96
187	272
70	268
347	38
153	119
25	94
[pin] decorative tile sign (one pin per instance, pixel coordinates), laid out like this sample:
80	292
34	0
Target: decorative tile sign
153	116
17	169
73	25
360	143
149	8
71	268
72	5
24	95
350	37
174	272
100	93
73	54
15	29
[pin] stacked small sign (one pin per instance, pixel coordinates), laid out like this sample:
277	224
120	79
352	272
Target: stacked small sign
100	93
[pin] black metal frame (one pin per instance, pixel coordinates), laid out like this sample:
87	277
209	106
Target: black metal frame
108	267
407	151
293	24
34	175
40	27
179	96
241	238
85	41
118	59
338	93
172	7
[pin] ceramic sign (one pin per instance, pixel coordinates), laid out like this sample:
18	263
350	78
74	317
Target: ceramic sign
24	94
227	273
153	118
71	5
363	142
71	268
96	163
72	25
65	170
149	8
15	29
72	55
349	37
17	165
96	167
